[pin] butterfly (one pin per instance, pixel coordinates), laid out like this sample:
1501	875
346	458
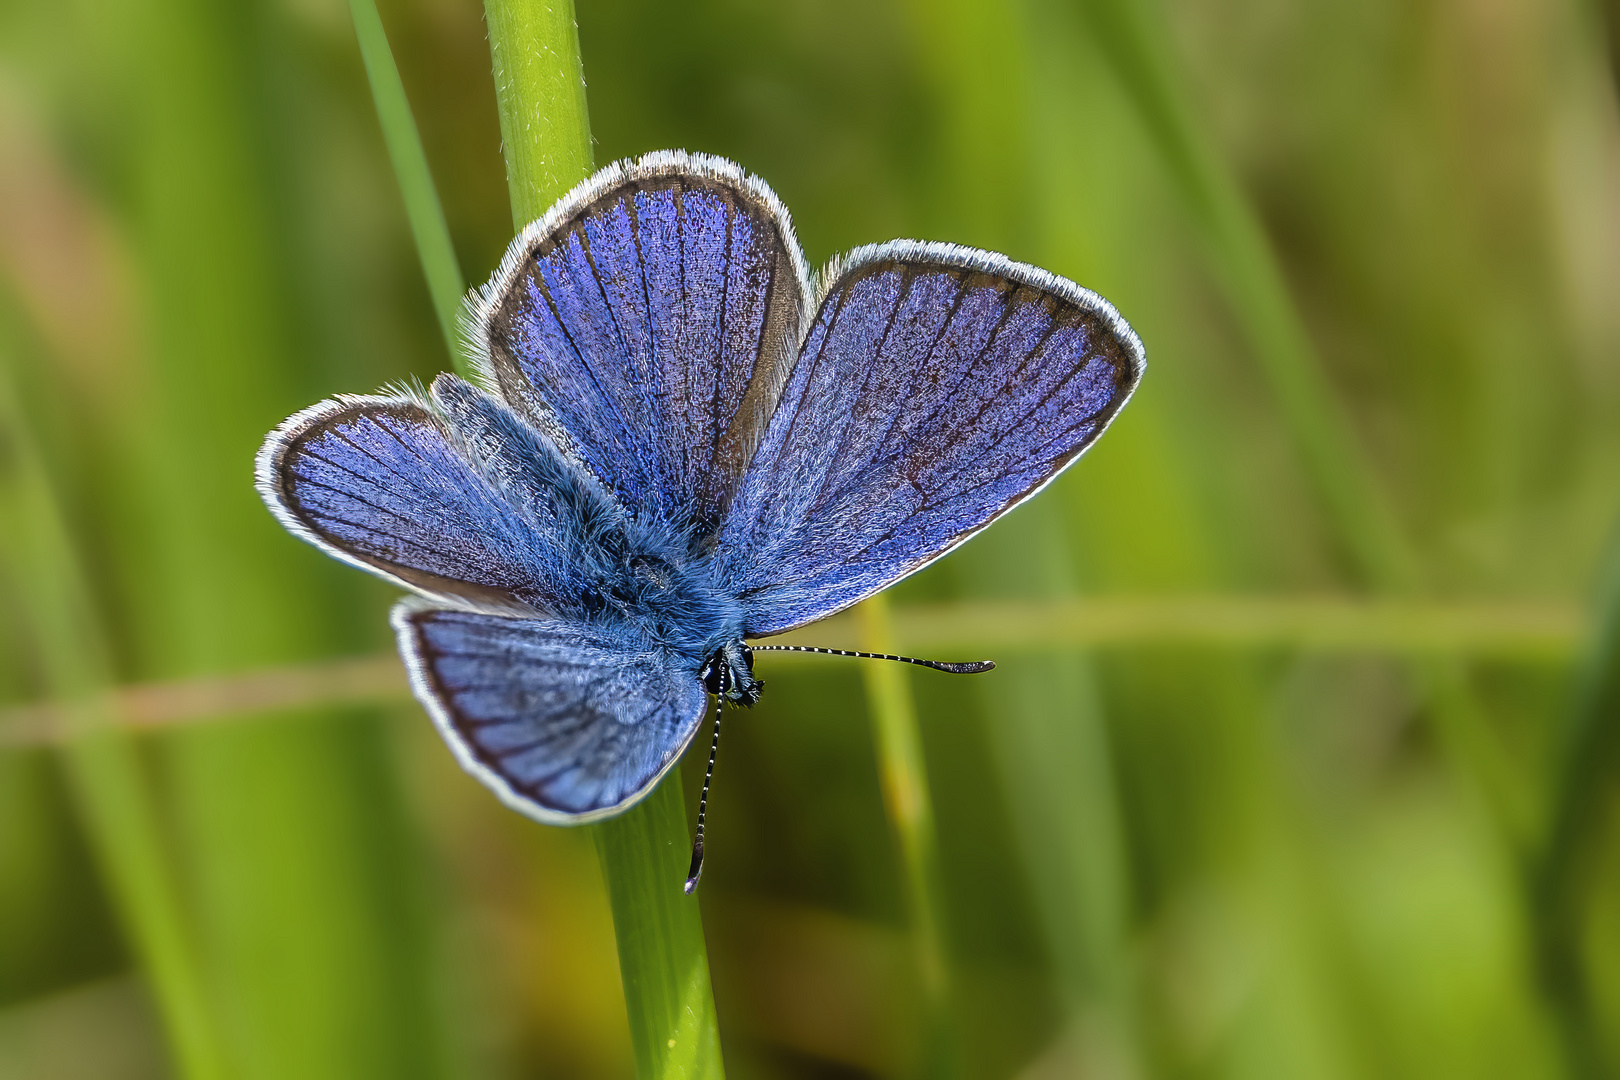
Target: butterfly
678	440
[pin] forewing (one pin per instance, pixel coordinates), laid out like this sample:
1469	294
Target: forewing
563	721
937	388
647	323
453	497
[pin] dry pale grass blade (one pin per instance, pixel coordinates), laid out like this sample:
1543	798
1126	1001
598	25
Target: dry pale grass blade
362	680
1524	631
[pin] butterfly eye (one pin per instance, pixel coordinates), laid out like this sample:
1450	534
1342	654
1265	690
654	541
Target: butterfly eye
711	674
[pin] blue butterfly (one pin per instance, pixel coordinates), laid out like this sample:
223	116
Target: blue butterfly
677	440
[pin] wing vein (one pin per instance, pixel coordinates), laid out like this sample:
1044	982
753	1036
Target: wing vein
872	372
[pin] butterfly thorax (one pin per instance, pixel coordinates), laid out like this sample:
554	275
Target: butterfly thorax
647	574
728	674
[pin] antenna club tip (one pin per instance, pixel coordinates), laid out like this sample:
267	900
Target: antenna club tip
696	871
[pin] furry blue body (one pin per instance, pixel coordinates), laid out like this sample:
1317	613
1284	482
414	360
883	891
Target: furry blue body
641	576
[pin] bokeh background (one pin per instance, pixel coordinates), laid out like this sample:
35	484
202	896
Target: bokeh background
1174	852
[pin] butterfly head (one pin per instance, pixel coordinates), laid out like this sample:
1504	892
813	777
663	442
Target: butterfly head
728	674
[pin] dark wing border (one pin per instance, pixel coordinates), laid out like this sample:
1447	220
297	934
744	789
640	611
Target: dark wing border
960	257
428	694
957	256
483	302
285	437
998	265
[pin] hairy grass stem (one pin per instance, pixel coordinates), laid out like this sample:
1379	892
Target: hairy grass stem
545	133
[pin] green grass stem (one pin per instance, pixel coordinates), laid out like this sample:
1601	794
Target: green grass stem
545	133
422	206
662	958
1367	527
540	90
114	800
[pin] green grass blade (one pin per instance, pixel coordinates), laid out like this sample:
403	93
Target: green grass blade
1136	45
545	133
1344	481
1588	772
904	776
313	908
1041	718
1362	518
1046	721
113	796
422	206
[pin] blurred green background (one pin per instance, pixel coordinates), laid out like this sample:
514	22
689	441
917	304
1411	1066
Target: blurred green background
1176	852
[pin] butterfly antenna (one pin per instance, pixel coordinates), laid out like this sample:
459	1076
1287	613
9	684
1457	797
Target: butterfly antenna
696	871
972	667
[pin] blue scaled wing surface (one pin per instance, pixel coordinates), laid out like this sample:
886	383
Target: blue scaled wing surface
567	712
937	387
564	722
450	495
648	323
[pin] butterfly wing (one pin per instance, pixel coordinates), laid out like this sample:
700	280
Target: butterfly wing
937	388
453	496
565	722
647	324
